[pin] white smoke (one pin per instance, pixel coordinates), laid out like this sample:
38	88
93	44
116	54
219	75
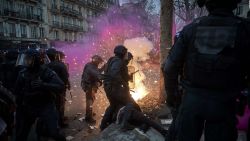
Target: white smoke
139	47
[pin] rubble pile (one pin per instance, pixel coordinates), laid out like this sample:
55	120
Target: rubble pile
114	133
150	103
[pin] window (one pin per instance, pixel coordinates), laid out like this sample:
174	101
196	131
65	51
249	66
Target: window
22	10
23	31
29	10
70	6
56	35
79	9
53	3
33	32
90	13
10	5
78	23
67	20
66	36
70	21
75	36
40	12
54	18
41	31
62	2
65	5
70	36
12	28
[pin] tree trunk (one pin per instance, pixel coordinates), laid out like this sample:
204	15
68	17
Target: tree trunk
166	38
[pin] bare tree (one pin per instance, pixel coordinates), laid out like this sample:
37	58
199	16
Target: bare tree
186	11
166	37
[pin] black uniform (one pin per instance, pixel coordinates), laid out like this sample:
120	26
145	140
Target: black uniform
130	115
116	88
8	70
35	90
213	54
90	83
7	109
61	70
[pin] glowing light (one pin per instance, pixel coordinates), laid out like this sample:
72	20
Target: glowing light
139	91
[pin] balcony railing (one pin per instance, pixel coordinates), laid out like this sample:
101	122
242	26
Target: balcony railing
36	1
92	4
23	35
54	8
15	14
56	24
73	27
66	10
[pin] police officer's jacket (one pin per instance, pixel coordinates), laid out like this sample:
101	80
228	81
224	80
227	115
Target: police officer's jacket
90	76
116	73
212	53
61	70
26	95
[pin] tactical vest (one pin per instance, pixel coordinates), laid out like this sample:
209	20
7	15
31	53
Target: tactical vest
216	57
88	81
123	72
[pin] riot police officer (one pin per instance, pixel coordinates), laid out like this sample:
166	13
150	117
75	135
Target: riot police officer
35	90
7	109
116	86
61	70
213	55
8	71
90	82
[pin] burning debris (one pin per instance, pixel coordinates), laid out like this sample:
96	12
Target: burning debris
140	48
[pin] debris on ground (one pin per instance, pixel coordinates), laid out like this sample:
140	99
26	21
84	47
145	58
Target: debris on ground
114	133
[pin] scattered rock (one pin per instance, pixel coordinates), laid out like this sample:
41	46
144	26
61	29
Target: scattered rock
114	133
81	119
166	121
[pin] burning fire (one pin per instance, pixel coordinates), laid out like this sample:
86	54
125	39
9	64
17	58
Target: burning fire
139	91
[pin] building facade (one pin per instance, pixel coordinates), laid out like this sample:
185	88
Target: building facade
42	22
22	22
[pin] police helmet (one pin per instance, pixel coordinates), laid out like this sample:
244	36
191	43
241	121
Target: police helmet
97	59
212	4
120	50
52	53
30	58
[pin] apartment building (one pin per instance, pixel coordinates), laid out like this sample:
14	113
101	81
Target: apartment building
68	19
42	22
21	22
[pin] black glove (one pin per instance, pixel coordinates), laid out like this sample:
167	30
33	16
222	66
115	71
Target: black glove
36	84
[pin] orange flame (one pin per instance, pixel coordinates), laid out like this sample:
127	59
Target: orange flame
139	91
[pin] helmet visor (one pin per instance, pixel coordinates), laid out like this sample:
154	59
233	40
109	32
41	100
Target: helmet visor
24	60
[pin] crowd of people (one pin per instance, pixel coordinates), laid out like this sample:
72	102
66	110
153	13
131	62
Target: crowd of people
33	90
33	87
206	79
